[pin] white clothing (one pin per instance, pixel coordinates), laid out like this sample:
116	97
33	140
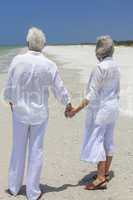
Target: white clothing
27	88
24	134
98	141
103	95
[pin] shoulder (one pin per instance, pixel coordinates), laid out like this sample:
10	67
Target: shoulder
110	68
99	69
18	58
14	62
49	63
108	63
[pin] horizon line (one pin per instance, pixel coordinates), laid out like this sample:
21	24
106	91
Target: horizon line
117	42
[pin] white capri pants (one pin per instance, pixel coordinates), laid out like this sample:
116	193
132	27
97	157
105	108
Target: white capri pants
32	136
98	142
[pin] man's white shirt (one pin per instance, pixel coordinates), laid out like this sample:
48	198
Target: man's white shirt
29	79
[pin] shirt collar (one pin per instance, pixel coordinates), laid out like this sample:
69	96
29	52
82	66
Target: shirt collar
34	52
107	58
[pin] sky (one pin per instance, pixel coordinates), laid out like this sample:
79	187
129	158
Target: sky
66	21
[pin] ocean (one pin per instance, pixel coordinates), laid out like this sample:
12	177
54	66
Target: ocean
6	55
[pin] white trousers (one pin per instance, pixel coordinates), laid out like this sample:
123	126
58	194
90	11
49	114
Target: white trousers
23	136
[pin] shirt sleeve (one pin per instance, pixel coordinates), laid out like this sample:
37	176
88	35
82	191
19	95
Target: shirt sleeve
118	89
8	90
95	84
59	91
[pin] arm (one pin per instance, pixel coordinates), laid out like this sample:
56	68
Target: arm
95	84
81	106
59	91
8	88
94	88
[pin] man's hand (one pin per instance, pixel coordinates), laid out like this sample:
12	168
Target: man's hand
72	113
68	109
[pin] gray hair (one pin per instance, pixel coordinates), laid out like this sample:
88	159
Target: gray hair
36	39
104	47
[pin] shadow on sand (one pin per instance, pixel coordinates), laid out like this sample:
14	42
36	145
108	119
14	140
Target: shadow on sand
47	189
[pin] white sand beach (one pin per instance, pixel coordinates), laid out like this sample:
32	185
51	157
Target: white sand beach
63	173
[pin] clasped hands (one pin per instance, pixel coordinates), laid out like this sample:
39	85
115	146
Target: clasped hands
70	111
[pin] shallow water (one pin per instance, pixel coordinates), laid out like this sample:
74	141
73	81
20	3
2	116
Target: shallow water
6	55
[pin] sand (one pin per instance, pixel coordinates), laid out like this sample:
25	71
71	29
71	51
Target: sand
63	173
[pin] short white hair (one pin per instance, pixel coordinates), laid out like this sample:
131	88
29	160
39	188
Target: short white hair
36	39
104	47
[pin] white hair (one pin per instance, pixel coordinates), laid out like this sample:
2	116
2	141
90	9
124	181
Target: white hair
36	39
104	47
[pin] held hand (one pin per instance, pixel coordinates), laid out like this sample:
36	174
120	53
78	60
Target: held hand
71	113
68	108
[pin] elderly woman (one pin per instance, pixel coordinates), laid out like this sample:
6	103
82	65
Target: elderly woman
27	90
102	111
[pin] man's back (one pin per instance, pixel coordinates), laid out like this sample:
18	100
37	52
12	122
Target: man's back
31	76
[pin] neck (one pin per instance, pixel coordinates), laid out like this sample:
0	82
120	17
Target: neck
35	50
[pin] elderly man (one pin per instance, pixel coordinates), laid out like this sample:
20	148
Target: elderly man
102	111
27	91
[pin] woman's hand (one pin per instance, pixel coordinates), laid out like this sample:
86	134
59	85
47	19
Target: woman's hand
72	112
